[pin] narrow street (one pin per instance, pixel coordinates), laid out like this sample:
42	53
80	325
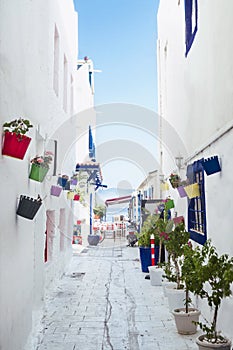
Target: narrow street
104	302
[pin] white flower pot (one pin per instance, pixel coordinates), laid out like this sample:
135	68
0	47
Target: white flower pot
204	345
166	283
176	298
155	275
185	321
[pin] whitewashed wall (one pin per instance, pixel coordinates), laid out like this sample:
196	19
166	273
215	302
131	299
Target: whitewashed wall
27	90
195	97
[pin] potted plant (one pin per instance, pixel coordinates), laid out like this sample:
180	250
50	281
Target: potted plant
175	238
28	207
192	190
99	211
40	166
174	180
15	142
62	180
211	165
214	274
55	190
149	227
186	318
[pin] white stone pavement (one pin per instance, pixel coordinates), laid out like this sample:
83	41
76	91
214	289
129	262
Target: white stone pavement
104	302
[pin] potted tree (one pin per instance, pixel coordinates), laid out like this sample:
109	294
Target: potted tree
149	227
40	166
214	278
15	142
186	318
175	239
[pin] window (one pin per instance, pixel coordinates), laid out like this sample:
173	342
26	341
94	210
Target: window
56	62
65	82
50	234
190	23
196	206
62	223
71	95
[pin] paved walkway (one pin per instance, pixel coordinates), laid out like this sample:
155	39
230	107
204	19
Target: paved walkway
104	302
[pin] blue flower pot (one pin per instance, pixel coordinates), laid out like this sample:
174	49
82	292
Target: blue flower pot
211	165
145	257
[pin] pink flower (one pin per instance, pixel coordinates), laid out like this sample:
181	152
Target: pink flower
40	160
49	153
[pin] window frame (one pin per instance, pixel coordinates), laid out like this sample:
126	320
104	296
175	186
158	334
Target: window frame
197	205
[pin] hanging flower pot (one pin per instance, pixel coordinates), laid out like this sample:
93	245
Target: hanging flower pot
15	145
164	186
181	191
76	197
178	220
55	190
169	204
174	180
192	190
74	182
28	207
70	195
38	172
62	180
211	165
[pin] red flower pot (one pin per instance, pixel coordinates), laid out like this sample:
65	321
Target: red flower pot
76	197
15	145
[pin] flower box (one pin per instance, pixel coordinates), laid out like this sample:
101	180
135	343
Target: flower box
192	190
15	145
55	190
211	165
28	207
38	172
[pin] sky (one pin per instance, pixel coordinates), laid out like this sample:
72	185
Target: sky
121	37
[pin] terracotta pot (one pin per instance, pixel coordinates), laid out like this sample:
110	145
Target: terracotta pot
204	345
185	321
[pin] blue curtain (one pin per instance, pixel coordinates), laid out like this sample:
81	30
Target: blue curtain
190	22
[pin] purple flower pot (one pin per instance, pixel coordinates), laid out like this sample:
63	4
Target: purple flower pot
55	190
181	191
74	182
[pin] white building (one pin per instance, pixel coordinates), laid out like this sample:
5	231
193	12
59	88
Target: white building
150	188
195	72
38	81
